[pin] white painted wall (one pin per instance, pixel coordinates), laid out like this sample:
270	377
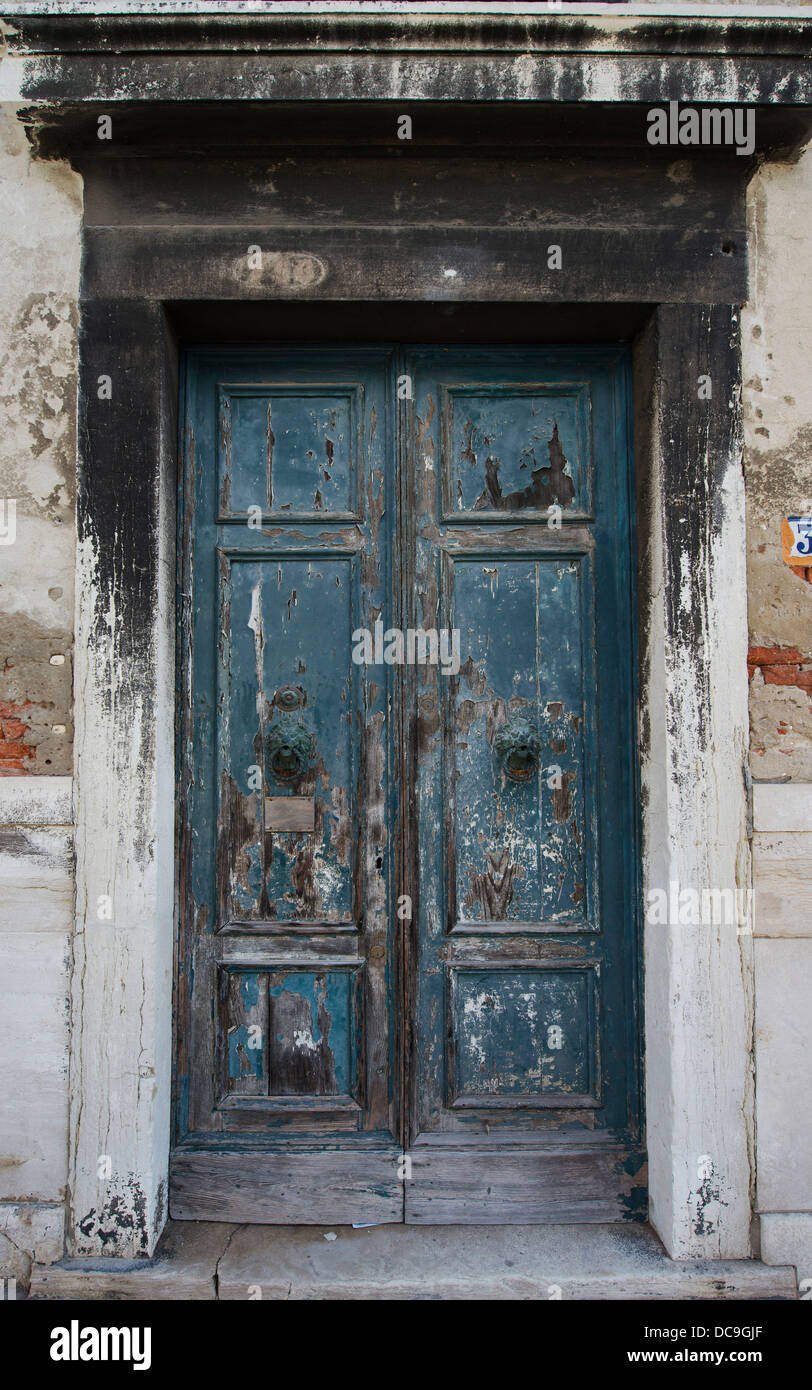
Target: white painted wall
698	977
121	1054
782	861
36	934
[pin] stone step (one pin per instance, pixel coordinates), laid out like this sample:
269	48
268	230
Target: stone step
210	1260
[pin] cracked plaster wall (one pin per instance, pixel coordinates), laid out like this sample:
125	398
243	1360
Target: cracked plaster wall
38	320
777	349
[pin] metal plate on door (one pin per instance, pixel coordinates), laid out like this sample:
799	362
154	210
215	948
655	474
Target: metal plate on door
290	813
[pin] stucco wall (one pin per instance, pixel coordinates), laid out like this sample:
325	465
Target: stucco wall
36	930
38	316
38	320
777	347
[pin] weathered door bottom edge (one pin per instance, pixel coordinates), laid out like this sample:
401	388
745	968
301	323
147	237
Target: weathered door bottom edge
442	1185
287	1187
572	1183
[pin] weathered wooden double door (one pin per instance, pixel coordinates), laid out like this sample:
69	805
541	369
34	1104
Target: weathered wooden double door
406	975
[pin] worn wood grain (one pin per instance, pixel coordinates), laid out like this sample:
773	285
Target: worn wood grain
304	1187
510	1186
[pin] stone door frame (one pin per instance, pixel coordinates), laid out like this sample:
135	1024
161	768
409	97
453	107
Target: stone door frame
694	738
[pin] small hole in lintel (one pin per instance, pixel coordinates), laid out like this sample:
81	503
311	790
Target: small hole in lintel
379	862
727	248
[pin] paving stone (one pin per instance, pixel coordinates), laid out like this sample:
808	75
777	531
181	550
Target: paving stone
183	1267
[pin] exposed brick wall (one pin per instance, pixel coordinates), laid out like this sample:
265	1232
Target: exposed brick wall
13	729
780	666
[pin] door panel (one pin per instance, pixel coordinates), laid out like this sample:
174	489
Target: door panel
524	1037
272	609
522	622
513	447
286	971
523	859
407	891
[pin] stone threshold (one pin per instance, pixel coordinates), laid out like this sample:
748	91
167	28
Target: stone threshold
214	1260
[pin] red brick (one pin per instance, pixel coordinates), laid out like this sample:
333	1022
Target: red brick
14	728
8	708
787	675
15	750
773	656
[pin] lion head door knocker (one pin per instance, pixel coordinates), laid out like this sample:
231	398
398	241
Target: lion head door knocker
519	748
288	745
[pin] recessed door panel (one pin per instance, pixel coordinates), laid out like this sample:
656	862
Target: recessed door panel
522	849
285	626
514	447
290	448
524	1036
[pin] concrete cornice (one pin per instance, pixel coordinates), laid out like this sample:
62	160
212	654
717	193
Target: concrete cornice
715	9
615	30
65	63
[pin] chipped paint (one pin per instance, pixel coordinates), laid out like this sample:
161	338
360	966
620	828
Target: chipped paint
120	1224
516	954
288	1037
